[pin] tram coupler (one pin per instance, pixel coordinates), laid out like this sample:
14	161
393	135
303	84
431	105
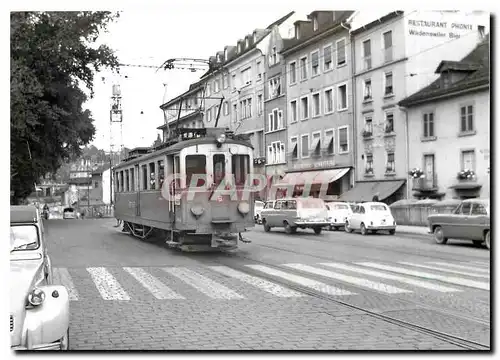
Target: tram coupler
240	238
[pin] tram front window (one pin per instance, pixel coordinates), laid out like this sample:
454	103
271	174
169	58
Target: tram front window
219	168
240	168
196	164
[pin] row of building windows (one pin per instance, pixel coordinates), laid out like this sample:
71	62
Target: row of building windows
304	69
466	121
314	144
390	163
151	177
366	50
300	109
388	87
388	125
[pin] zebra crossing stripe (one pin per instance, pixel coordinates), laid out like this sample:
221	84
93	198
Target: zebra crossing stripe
260	283
313	284
349	279
107	285
419	283
155	286
61	276
444	269
471	268
448	279
203	284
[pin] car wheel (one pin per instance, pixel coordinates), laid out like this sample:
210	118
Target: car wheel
267	228
392	232
317	230
363	229
347	228
487	240
288	228
65	342
439	235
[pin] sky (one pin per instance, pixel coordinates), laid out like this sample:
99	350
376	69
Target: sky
150	36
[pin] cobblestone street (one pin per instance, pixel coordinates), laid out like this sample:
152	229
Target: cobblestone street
128	294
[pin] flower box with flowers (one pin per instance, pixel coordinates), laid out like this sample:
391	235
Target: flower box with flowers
466	175
367	133
416	173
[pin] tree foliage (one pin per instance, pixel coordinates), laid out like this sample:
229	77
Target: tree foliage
52	53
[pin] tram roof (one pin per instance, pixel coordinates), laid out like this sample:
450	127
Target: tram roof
209	138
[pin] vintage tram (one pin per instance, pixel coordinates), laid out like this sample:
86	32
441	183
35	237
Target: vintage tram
173	193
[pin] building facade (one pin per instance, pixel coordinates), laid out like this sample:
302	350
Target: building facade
449	130
394	56
319	104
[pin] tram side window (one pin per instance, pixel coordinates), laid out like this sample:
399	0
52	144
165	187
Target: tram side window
177	169
117	182
161	173
152	178
195	164
144	177
241	168
126	181
219	168
121	181
132	180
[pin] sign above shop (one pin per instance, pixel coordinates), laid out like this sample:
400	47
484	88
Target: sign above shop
316	165
430	28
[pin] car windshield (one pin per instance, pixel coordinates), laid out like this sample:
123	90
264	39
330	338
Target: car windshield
341	207
378	208
68	210
23	237
312	204
259	205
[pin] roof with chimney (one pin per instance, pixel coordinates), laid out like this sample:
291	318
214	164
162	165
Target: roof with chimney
307	32
476	70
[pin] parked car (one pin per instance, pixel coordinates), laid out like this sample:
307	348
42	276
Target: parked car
293	213
338	212
259	205
69	213
371	216
39	310
469	221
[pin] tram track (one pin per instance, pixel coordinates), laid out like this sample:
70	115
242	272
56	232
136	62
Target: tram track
452	339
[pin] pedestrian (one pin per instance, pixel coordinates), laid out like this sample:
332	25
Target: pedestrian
375	198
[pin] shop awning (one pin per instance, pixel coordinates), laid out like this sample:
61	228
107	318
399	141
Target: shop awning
312	177
365	190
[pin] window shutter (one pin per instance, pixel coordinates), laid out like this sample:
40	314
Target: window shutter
343	136
315	60
327	53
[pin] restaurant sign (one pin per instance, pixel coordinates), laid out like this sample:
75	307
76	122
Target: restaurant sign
316	165
437	28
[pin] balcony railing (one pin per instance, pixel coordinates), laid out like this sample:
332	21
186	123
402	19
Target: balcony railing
426	183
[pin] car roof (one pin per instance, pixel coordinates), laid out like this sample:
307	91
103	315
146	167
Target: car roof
23	214
477	200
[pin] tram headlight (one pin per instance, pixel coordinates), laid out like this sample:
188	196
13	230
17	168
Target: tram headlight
197	210
244	207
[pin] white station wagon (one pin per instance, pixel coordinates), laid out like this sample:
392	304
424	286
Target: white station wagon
39	310
371	216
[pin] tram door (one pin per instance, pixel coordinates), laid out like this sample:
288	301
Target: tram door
137	190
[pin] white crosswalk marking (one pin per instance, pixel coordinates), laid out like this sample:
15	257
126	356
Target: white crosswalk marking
444	269
313	284
61	276
419	283
262	284
107	285
448	279
155	286
203	284
471	268
349	279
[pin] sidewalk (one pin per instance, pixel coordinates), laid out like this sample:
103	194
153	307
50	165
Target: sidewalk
408	229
